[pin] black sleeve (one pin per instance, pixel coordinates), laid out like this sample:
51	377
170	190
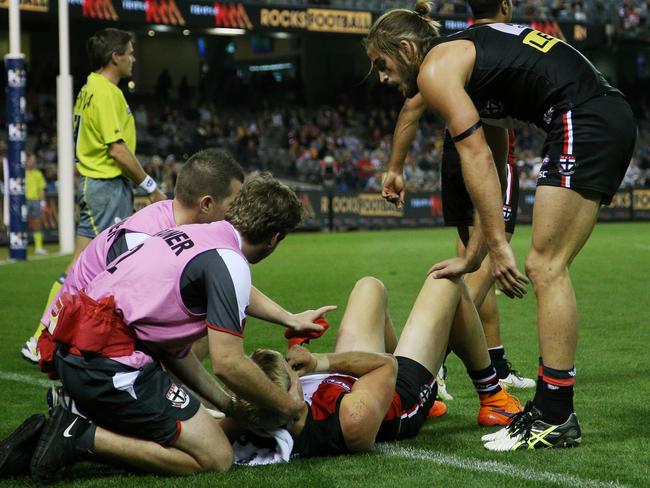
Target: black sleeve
207	287
118	247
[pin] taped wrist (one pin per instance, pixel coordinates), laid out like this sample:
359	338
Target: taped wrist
322	363
148	184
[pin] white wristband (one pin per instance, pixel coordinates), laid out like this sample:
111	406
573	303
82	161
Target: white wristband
148	184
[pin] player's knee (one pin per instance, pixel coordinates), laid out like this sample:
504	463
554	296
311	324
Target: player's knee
370	284
463	289
543	270
533	267
217	460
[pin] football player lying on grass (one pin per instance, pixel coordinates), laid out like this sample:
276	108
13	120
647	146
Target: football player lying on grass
363	394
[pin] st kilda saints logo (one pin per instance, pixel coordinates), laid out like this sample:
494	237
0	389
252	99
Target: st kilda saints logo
425	394
507	213
177	396
567	165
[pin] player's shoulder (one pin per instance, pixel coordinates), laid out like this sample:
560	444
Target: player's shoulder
448	60
224	269
214	262
102	90
450	46
237	266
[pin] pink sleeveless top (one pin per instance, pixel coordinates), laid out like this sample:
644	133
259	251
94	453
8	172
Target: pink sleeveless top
92	261
145	282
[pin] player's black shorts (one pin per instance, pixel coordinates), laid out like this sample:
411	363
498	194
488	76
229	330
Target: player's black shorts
417	390
457	206
143	403
589	148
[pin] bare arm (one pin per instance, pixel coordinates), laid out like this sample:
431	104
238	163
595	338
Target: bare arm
245	378
363	409
262	307
405	131
191	372
442	82
497	139
131	167
442	79
476	249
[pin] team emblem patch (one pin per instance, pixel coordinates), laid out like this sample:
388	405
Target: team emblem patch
425	393
177	396
567	165
507	213
491	108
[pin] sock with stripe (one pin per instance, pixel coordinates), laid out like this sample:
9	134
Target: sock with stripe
54	291
555	399
486	381
498	358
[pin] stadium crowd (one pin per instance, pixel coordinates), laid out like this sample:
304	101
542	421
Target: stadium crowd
340	147
625	14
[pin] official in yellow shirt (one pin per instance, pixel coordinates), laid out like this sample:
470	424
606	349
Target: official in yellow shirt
105	139
104	132
35	200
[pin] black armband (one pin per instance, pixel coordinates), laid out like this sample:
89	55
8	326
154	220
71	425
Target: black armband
468	132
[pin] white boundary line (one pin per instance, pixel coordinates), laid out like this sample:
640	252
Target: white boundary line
5	262
497	467
23	378
468	464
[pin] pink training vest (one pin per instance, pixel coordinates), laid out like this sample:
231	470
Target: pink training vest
145	282
92	261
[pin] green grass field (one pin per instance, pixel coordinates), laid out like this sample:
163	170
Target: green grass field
611	279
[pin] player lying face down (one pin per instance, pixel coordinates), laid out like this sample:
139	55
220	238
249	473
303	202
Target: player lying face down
361	394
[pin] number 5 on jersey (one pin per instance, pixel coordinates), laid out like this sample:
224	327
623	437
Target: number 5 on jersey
540	41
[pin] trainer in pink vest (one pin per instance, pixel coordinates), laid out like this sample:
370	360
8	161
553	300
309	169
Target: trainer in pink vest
92	261
146	284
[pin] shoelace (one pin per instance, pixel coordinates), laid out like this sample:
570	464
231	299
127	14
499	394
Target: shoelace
521	419
513	371
526	424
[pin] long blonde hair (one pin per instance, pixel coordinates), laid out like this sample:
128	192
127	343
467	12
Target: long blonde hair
403	24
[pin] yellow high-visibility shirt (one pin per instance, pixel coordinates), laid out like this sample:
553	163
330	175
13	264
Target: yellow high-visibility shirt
34	183
101	117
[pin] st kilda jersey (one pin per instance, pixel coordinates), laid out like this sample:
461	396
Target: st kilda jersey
322	435
521	74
